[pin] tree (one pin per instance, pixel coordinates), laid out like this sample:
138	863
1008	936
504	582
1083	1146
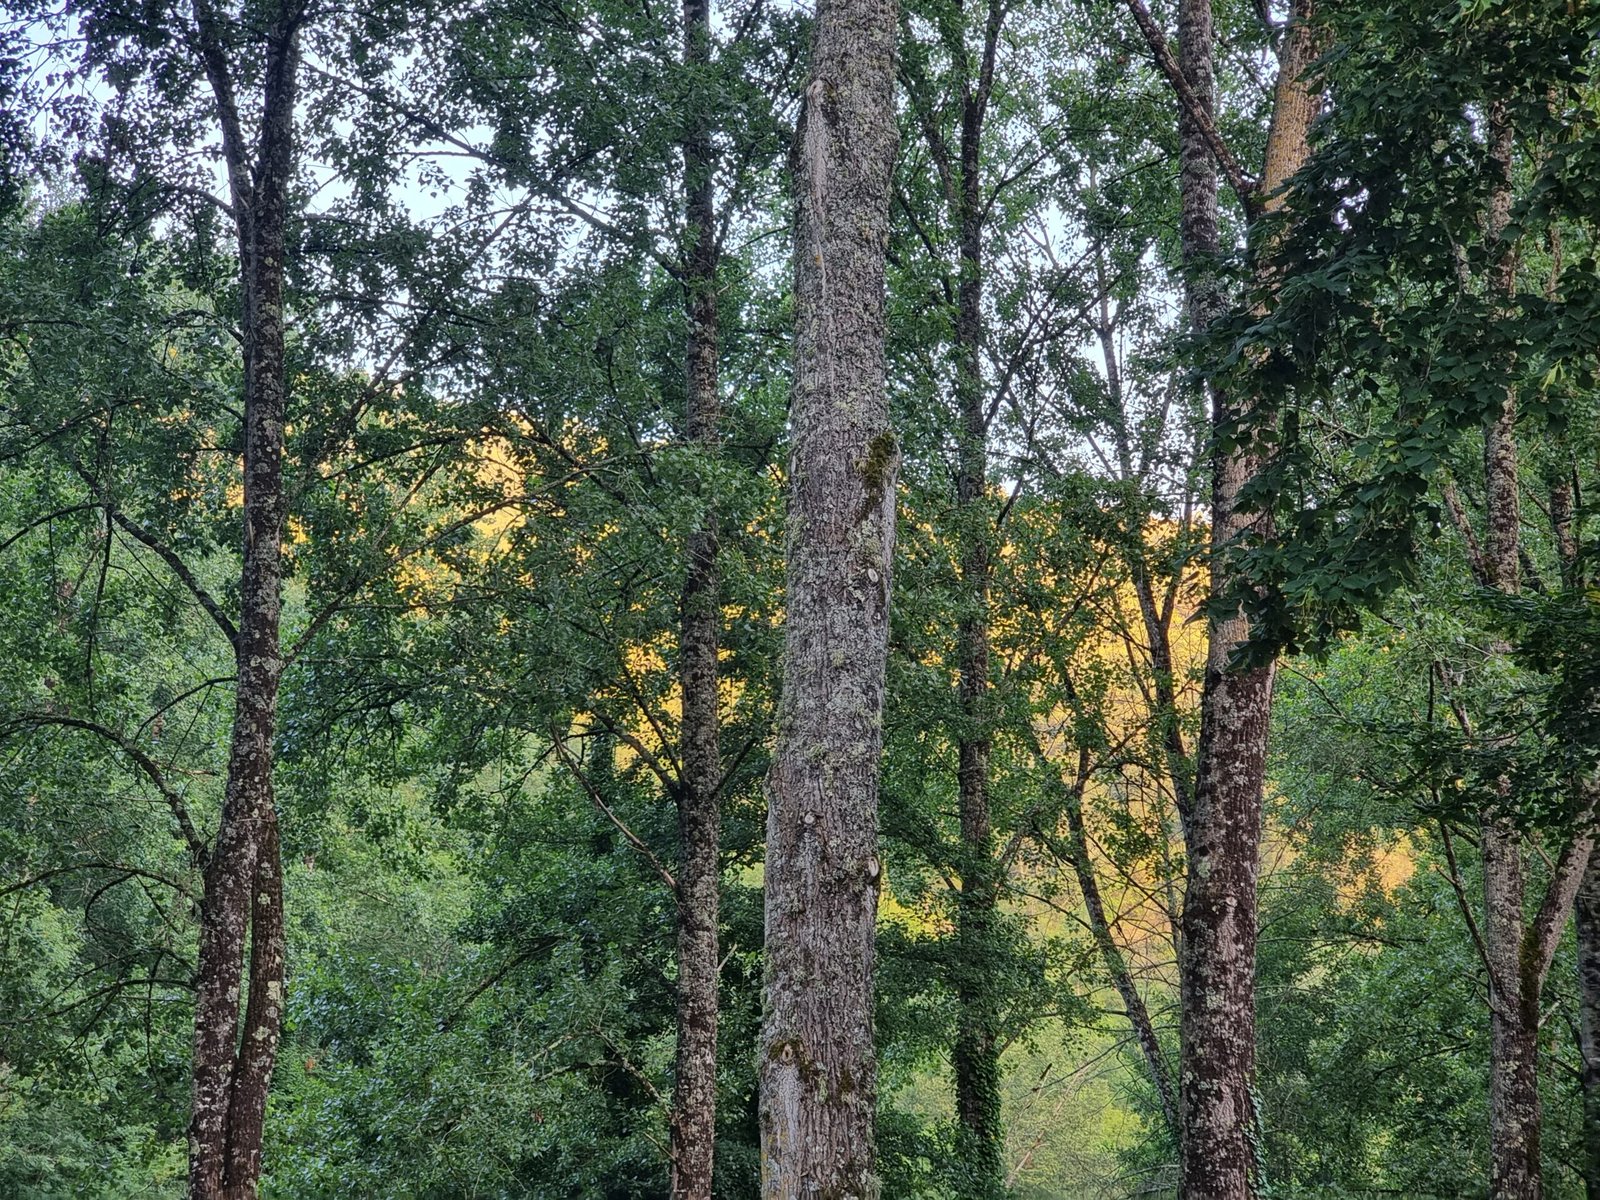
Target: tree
1220	1146
608	168
232	1068
208	79
958	70
818	1066
251	78
1462	317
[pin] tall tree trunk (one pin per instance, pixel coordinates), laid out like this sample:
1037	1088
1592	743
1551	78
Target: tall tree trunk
1076	854
976	1054
1221	1151
818	1070
1517	955
1587	914
973	961
694	1097
1218	1152
1514	1116
243	885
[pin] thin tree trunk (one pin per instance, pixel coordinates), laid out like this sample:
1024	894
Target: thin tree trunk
1156	623
231	1075
699	812
1169	732
1076	853
976	1054
1221	1154
973	965
818	1070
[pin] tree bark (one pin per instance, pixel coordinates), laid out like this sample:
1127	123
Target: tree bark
694	1097
1221	1152
1513	950
1586	903
231	1073
1514	1116
818	1070
1218	1150
263	1020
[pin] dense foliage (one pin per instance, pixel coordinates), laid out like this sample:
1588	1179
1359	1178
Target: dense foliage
493	488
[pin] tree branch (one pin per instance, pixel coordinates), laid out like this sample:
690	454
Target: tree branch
179	568
558	744
1463	524
180	813
1559	896
1466	908
1243	186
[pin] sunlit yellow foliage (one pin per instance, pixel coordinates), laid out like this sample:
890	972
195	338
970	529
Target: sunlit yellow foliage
924	918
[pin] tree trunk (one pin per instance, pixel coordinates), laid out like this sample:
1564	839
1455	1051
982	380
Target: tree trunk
1586	905
243	884
263	1020
1513	1022
976	1054
1587	915
1514	1115
818	1070
694	1097
1116	964
1221	1155
1218	1150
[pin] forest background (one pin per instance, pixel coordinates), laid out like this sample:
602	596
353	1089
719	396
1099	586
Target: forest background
489	660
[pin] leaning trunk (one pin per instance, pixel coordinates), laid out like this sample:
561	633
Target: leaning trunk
699	818
231	1072
1116	963
818	1071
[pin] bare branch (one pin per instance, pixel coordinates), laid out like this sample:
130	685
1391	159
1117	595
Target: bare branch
180	813
558	744
1466	908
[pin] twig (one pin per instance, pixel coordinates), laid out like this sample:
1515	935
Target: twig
180	813
558	744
